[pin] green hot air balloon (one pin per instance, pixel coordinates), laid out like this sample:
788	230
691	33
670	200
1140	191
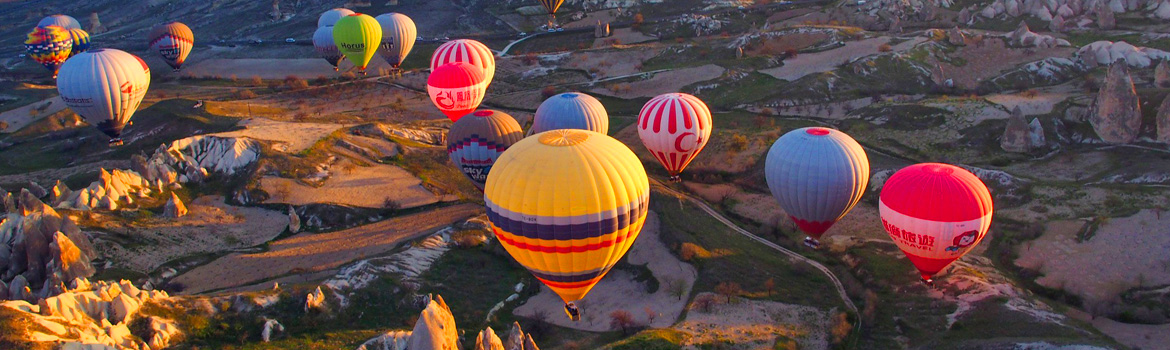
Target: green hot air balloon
357	36
398	34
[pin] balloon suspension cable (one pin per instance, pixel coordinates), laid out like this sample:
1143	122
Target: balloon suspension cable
115	142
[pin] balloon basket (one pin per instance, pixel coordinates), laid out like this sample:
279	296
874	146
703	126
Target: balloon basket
115	142
929	282
675	179
812	243
572	311
176	70
335	69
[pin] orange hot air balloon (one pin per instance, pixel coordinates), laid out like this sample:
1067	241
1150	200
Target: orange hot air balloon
456	88
935	213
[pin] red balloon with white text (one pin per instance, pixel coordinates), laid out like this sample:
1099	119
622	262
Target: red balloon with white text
456	88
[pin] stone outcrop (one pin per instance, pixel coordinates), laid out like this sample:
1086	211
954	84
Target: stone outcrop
1105	18
58	193
40	250
315	300
956	37
97	315
271	328
392	340
1036	139
487	340
37	190
1162	74
1015	135
964	17
1163	121
1106	52
435	328
1116	114
428	135
174	208
294	220
1024	37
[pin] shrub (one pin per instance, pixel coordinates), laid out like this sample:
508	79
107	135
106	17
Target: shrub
885	48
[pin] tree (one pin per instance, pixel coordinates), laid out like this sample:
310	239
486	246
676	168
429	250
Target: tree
621	319
704	302
770	286
728	289
256	81
638	19
296	83
245	94
678	288
650	314
841	328
548	91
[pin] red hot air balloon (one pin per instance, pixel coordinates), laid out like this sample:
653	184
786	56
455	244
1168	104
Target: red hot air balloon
674	127
456	88
935	213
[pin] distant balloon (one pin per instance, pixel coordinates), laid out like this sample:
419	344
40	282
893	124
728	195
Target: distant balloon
570	110
817	175
49	46
174	42
80	41
567	205
466	50
357	37
675	127
551	5
63	21
104	86
398	35
935	213
476	141
456	89
323	42
330	18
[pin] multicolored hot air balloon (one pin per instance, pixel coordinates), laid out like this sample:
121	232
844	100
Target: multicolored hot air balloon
49	46
330	18
80	41
570	110
456	89
323	42
935	213
398	35
674	127
817	175
63	21
104	86
477	140
567	205
357	37
174	42
551	6
466	50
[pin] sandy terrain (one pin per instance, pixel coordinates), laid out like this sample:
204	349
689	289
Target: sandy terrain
19	117
1124	252
293	137
661	83
273	68
49	177
1041	103
308	252
1139	336
622	36
618	291
609	63
353	185
754	324
992	58
209	226
824	61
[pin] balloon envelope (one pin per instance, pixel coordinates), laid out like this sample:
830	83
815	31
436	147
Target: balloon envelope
330	18
469	51
105	87
398	35
80	41
173	41
551	5
456	89
49	46
357	36
674	127
323	43
567	205
935	213
570	110
477	140
63	21
817	175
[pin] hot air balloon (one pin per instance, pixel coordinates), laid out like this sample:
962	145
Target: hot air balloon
551	6
104	86
817	175
323	42
674	127
330	18
398	34
456	89
80	41
935	213
357	37
466	50
567	205
570	110
49	46
477	140
174	42
63	21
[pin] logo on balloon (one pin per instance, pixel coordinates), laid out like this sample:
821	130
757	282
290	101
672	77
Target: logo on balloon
444	100
964	240
355	47
678	142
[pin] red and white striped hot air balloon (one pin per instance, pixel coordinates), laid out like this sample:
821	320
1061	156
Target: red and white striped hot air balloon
935	213
456	88
469	51
674	127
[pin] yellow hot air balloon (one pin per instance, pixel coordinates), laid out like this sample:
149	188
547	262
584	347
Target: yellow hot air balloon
357	37
567	204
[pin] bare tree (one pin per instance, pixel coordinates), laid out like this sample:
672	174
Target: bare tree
728	290
621	319
650	314
770	286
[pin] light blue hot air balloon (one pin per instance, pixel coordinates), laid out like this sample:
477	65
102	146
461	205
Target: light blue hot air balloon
63	21
817	175
570	110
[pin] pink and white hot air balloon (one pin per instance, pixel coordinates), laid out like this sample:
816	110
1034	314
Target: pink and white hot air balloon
468	51
456	88
674	127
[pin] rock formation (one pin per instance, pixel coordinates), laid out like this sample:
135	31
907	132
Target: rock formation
1057	23
392	340
174	208
97	315
271	328
964	17
37	190
1162	74
1116	115
1163	121
1036	139
1106	52
435	328
294	221
95	24
487	340
518	340
315	300
1105	19
956	37
40	250
1162	11
58	193
1024	37
1015	135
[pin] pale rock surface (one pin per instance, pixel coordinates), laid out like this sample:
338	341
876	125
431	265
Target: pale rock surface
1036	139
58	193
1015	135
294	220
392	340
315	300
271	328
40	250
96	316
1023	36
37	190
174	208
1163	121
435	328
1116	115
1162	74
487	340
1106	52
